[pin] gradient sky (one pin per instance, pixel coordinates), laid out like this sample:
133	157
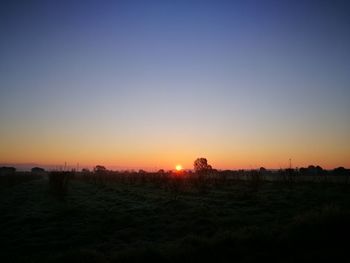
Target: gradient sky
150	84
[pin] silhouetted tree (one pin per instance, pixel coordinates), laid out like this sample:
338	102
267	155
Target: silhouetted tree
37	170
312	170
319	170
341	171
99	169
262	170
201	165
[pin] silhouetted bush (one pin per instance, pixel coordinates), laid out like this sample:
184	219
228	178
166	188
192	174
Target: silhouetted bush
38	170
5	170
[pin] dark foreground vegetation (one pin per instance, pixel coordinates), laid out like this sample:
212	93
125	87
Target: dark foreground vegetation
104	216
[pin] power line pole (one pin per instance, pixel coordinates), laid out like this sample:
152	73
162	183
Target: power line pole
290	163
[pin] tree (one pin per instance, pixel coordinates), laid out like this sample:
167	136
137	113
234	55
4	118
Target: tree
37	170
99	169
201	165
341	171
263	171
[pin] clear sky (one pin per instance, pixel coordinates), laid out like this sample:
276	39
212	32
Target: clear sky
152	84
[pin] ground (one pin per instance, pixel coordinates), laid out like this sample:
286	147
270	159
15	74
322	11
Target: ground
133	222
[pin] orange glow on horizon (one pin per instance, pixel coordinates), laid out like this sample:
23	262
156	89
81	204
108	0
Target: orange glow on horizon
137	154
178	167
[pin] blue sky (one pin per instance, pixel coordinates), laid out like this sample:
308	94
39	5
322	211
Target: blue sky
155	83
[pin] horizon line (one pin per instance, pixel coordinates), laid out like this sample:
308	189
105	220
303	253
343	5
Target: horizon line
78	167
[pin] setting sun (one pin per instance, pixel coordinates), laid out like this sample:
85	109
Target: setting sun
178	167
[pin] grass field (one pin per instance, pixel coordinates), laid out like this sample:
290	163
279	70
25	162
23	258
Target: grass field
134	222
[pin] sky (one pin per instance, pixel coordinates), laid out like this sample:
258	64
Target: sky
152	84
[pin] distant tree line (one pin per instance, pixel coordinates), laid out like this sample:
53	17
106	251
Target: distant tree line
202	167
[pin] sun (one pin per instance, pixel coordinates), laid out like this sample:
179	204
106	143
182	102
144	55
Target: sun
178	167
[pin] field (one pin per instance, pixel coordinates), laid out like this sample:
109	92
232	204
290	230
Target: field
134	221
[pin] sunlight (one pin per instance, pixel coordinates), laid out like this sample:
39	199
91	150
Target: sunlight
178	167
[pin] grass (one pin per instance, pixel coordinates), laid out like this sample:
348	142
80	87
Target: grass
58	182
133	222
